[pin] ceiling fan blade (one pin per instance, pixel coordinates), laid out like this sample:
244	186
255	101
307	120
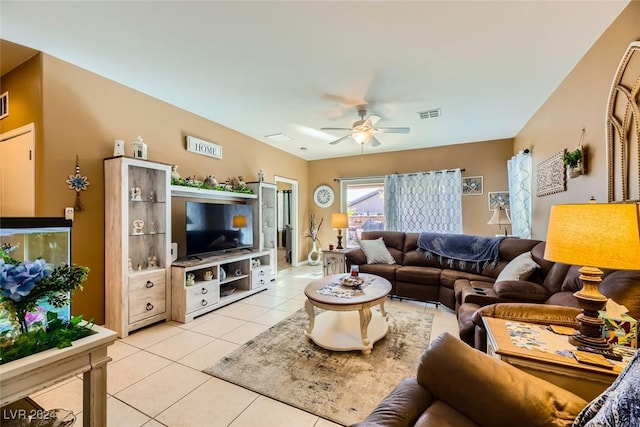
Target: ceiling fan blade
393	130
342	129
340	139
373	119
374	142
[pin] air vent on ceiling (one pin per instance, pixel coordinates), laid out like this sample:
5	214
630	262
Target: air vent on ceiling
4	105
430	114
278	137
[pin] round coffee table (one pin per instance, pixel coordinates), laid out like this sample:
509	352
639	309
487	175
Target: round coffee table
347	323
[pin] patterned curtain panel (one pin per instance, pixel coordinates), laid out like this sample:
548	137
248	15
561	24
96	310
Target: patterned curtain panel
428	201
520	169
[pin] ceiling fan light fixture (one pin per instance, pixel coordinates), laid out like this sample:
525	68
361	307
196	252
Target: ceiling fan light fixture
361	137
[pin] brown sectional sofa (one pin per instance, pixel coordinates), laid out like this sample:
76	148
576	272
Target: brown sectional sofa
622	286
435	280
466	290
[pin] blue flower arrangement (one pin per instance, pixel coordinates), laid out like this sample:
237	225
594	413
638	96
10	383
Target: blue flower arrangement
23	284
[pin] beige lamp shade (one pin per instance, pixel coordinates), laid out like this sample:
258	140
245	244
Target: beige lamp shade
499	217
239	221
595	235
339	220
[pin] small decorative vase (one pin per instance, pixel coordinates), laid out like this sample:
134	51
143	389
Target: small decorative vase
314	255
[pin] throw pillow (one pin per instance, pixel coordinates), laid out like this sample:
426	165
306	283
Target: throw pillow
519	268
376	251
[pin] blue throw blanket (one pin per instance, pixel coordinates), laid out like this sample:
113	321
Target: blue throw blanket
460	247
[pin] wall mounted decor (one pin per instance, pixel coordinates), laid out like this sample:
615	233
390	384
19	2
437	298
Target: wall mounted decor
78	183
551	176
576	160
623	129
472	185
498	199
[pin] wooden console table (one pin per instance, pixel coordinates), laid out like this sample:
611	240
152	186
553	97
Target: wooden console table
88	355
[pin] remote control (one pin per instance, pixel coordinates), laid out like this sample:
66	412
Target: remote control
609	354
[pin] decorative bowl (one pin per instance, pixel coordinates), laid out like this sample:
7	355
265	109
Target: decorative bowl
351	282
226	290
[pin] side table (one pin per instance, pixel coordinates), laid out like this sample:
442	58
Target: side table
87	356
333	262
540	360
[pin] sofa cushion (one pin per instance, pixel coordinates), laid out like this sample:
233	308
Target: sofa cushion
387	271
419	275
439	414
402	406
376	251
519	268
494	392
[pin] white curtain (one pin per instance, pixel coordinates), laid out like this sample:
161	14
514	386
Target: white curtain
520	169
426	201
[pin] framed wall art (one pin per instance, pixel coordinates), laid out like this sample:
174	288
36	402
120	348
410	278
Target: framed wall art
471	185
498	199
551	175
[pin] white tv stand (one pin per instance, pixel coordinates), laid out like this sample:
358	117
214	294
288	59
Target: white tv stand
247	272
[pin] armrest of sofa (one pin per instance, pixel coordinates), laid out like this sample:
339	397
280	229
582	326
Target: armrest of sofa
355	256
491	392
402	407
542	314
521	290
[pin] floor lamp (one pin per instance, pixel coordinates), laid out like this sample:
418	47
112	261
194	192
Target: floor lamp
594	236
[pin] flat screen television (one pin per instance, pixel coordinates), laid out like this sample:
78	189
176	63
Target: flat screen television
214	228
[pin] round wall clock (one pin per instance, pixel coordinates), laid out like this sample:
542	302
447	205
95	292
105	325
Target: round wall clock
323	196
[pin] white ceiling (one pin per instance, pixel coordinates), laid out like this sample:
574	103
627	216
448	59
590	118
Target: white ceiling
267	67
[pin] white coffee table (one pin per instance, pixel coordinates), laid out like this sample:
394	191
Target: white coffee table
347	323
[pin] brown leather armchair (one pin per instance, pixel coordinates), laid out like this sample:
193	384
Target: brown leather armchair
459	386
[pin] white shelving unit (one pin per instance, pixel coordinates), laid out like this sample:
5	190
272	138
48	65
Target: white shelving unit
137	243
202	285
265	220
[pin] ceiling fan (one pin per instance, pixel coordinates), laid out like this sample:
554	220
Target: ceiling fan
364	130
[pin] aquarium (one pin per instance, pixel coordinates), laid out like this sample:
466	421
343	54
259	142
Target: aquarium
32	238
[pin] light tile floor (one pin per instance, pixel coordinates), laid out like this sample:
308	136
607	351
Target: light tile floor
156	378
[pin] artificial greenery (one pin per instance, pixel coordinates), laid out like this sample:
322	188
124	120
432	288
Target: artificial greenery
572	158
25	283
57	334
186	182
23	286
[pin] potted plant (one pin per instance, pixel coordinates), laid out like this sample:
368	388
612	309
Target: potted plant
573	160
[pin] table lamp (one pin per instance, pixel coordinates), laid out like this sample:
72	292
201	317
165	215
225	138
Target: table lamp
239	222
339	221
500	218
594	236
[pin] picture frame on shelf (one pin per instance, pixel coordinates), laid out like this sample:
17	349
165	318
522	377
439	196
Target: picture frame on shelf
472	185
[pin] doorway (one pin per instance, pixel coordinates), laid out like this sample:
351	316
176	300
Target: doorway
18	172
287	251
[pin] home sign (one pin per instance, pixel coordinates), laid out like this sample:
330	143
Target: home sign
200	146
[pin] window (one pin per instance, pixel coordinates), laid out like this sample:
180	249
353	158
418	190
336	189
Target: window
363	200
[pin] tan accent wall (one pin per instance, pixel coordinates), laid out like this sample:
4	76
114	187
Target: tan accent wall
83	114
487	159
579	101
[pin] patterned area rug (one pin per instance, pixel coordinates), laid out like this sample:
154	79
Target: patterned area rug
343	387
